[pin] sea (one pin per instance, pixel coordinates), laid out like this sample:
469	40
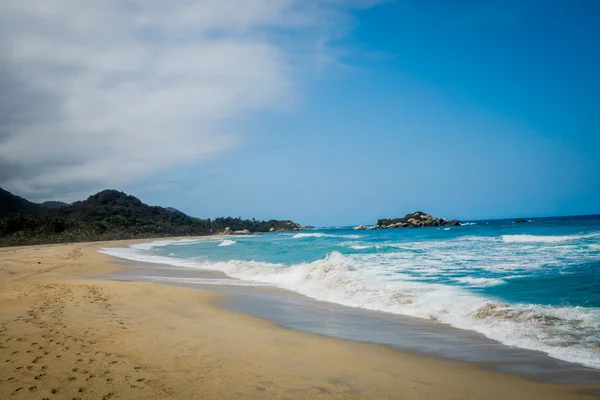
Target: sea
532	285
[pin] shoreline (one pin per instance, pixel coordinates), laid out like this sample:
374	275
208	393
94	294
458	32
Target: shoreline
294	311
100	338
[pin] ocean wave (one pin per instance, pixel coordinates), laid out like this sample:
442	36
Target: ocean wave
208	281
538	239
321	235
226	242
163	243
362	247
480	282
468	223
569	333
359	246
364	281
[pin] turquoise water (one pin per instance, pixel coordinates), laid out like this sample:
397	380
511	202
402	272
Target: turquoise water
534	285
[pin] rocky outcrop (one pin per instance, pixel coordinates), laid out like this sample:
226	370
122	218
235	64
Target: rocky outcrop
285	226
415	220
360	228
521	221
242	232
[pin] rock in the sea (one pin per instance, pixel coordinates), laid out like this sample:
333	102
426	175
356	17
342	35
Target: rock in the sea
415	220
272	230
520	221
360	228
243	232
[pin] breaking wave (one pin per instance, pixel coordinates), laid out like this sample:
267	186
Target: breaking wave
321	235
538	239
480	282
372	281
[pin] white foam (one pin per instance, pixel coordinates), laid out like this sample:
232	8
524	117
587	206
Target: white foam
480	282
538	239
208	281
387	282
227	242
162	243
468	223
320	235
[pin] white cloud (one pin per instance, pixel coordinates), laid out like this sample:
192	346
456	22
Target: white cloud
99	93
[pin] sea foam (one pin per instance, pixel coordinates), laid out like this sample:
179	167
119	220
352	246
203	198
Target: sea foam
363	281
321	235
538	239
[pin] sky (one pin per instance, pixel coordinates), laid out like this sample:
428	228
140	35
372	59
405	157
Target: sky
327	112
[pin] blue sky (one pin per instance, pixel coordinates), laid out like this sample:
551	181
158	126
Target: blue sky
462	109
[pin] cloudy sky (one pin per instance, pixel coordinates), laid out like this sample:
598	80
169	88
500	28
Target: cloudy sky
327	112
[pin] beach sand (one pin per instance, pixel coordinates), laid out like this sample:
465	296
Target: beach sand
66	337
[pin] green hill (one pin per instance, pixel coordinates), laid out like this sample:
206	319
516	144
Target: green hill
11	204
109	215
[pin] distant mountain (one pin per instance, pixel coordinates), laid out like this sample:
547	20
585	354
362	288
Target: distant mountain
174	210
109	215
117	210
11	204
50	205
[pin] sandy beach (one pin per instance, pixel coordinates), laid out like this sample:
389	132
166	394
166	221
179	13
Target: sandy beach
63	336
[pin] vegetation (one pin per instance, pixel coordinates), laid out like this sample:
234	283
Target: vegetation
11	204
109	215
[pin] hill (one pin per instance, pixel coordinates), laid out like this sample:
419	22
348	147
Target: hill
50	205
109	215
11	204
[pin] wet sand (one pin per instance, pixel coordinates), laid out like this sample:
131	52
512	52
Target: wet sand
63	336
294	311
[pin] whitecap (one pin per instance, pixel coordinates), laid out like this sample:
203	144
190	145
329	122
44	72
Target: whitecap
388	282
480	282
538	239
321	235
226	242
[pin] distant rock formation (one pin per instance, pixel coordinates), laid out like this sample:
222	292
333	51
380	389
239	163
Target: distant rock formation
521	221
415	220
